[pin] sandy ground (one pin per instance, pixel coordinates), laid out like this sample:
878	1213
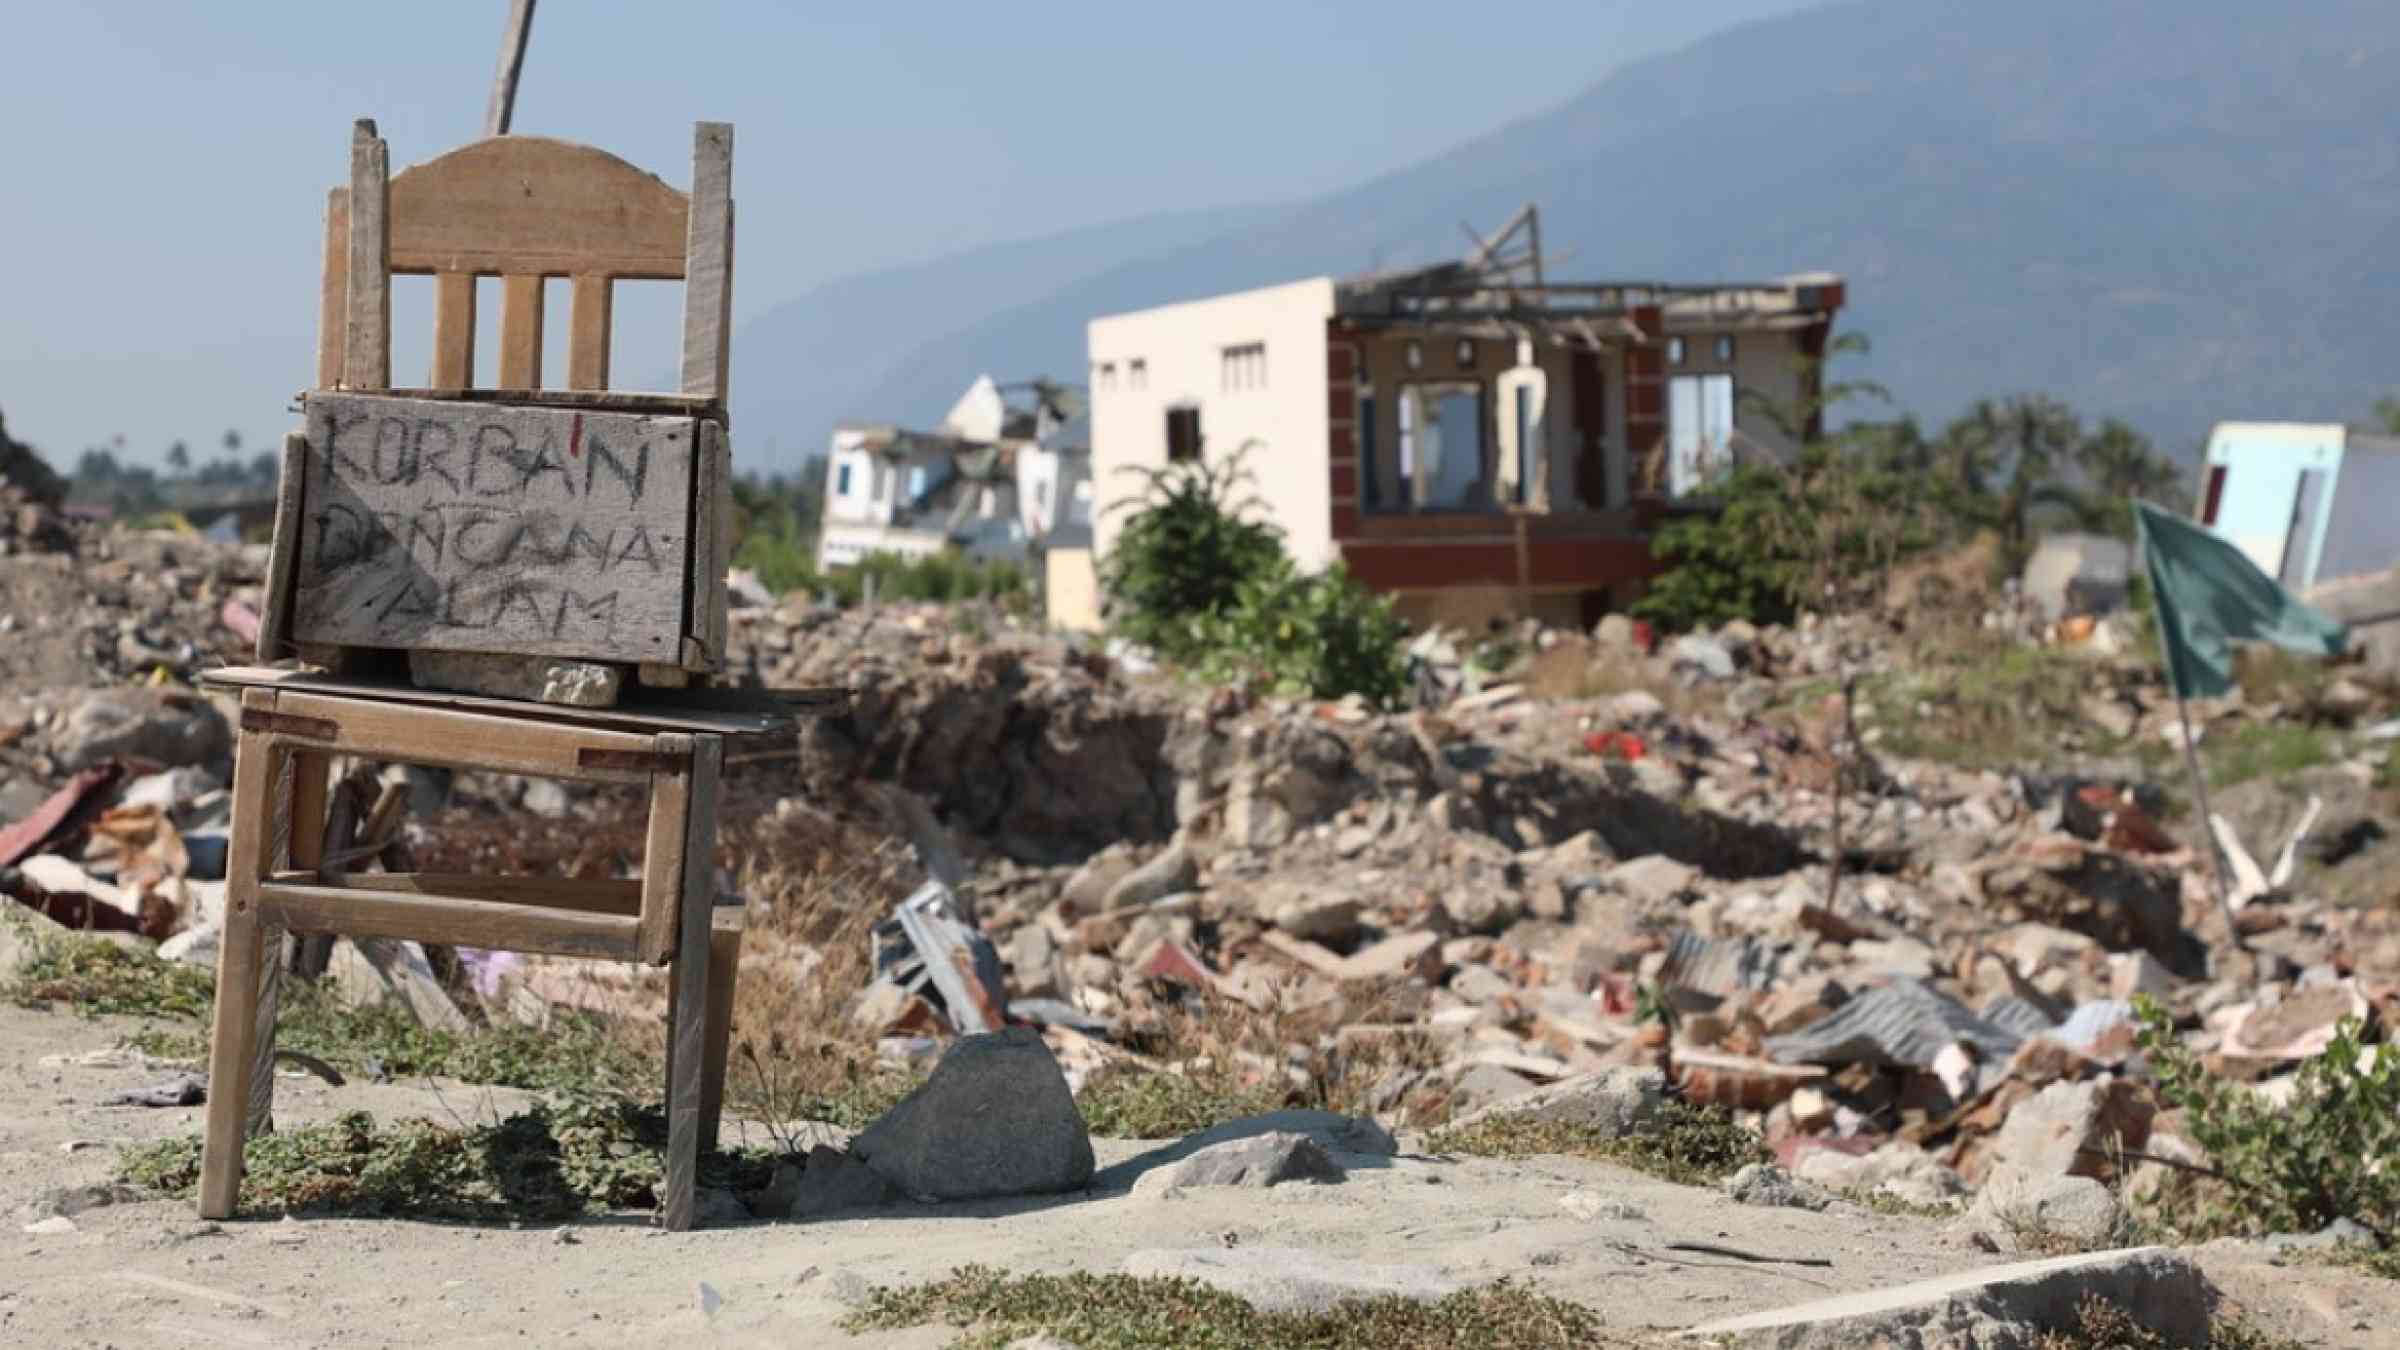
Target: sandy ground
153	1274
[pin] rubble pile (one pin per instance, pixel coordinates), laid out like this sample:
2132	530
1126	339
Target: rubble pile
1538	888
31	493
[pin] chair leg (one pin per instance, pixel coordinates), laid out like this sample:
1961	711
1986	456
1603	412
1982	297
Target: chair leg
239	957
724	962
298	840
687	1028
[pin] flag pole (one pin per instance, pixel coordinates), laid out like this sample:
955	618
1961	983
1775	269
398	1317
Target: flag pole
2191	745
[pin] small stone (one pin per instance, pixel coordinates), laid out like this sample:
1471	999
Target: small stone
1259	1161
1636	706
1483	908
54	1226
1652	881
1770	1187
1319	917
1173	871
2026	1205
1593	1207
828	1182
1616	1102
2340	1233
708	1299
546	797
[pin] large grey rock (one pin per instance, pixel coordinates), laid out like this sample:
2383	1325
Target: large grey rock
1260	1161
996	1118
1996	1308
1616	1102
2029	1207
165	727
1291	1279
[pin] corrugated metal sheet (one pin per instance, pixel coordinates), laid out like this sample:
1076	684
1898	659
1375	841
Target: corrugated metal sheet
1903	1025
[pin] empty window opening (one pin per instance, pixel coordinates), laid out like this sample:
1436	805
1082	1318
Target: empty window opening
1466	353
1453	468
2214	495
1370	464
1243	367
841	479
1675	351
1137	374
1699	430
1105	375
1526	458
916	482
1183	435
1725	348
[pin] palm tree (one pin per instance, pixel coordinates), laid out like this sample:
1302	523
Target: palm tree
2387	412
179	457
2008	456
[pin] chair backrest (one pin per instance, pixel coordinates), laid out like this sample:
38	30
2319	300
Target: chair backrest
523	208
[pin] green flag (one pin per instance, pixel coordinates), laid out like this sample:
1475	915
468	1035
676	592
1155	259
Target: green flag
2209	595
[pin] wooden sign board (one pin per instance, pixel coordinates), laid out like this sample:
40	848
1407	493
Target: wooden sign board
457	526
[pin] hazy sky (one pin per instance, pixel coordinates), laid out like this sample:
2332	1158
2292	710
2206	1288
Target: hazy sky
166	163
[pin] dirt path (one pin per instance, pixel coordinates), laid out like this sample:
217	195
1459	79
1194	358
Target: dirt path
152	1274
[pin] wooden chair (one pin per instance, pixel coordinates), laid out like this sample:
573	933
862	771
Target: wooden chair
521	208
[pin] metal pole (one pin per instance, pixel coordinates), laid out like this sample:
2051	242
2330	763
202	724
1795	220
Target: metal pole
512	60
2191	746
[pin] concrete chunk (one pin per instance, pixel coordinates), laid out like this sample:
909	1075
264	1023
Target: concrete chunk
1997	1308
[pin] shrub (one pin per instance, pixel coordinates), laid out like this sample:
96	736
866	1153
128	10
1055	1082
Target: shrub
1689	1145
1721	567
1184	555
1127	1312
1198	580
1321	635
2325	1155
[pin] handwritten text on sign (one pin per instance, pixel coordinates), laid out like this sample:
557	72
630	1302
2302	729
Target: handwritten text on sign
474	527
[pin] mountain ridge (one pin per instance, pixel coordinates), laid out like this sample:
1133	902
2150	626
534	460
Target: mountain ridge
2170	212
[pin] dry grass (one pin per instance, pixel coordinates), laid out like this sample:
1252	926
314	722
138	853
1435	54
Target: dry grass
1577	668
1200	1061
816	886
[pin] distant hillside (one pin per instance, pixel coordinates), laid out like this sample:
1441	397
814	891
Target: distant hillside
2173	211
818	358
